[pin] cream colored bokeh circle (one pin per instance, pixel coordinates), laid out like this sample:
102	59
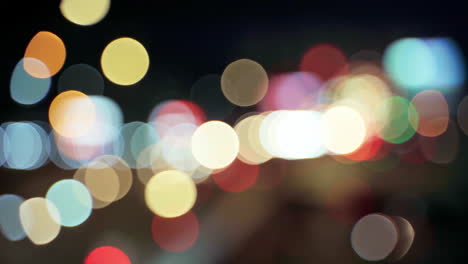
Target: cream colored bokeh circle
40	220
215	144
344	129
250	148
170	193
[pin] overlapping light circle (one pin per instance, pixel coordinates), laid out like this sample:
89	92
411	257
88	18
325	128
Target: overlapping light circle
48	52
72	200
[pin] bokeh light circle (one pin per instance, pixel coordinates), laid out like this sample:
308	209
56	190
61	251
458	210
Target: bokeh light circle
433	112
410	63
83	78
176	147
397	119
125	61
215	144
462	115
84	12
175	234
10	224
23	146
344	129
47	48
244	82
238	177
405	238
72	114
26	89
374	237
102	181
250	148
40	220
325	60
107	255
72	200
170	193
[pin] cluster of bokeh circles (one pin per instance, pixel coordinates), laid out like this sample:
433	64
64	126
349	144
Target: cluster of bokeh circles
362	108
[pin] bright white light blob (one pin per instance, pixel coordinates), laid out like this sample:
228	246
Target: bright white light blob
293	134
215	144
344	129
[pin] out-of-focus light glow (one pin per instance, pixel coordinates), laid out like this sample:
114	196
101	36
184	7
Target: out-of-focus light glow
207	93
102	181
238	177
125	61
444	148
292	91
250	148
26	89
107	255
48	48
368	150
10	224
60	160
374	237
462	115
177	147
324	60
39	220
3	142
433	113
215	144
244	82
23	146
397	119
200	174
171	113
175	234
449	64
143	136
364	92
170	193
72	114
72	200
405	238
150	162
45	142
79	175
73	149
344	129
83	78
122	170
84	12
410	63
102	137
293	134
136	137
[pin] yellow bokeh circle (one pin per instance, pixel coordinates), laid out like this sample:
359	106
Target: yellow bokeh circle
84	12
170	193
124	61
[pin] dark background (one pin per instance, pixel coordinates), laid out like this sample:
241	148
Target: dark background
186	41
